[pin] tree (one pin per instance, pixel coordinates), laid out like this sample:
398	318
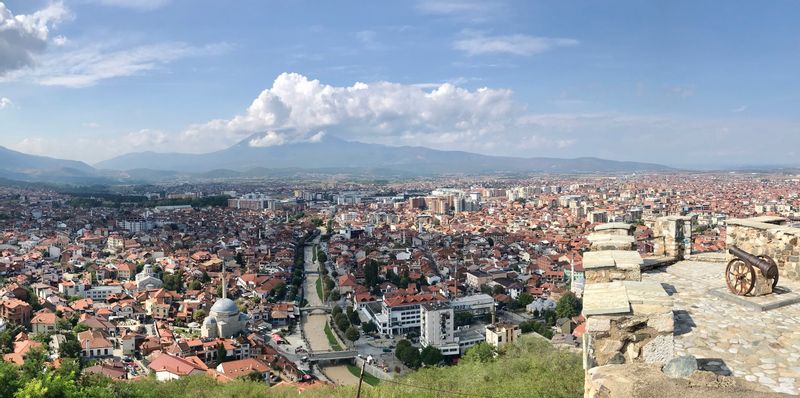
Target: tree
352	333
173	282
240	259
369	327
335	296
222	354
70	347
431	355
371	273
485	289
199	315
481	352
195	285
336	311
34	362
549	317
342	322
524	299
498	289
9	379
407	354
568	306
352	316
536	326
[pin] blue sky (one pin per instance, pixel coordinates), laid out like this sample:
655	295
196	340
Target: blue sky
685	83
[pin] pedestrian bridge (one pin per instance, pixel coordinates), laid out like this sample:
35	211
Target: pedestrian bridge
316	356
324	308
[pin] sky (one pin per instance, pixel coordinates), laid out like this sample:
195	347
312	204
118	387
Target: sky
695	84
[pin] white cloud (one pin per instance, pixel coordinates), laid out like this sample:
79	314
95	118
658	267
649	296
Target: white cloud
739	109
270	138
86	66
24	36
141	5
297	108
5	102
478	43
145	138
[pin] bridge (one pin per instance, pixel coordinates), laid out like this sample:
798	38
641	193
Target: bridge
315	308
316	356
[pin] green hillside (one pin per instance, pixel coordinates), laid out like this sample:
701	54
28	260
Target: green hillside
530	369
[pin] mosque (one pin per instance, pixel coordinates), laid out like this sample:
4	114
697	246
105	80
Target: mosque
224	320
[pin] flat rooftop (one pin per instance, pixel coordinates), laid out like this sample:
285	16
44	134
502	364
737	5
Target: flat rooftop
762	347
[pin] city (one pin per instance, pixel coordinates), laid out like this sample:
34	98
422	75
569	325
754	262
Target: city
426	198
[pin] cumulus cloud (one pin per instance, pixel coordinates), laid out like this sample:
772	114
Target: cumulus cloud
478	43
270	138
296	107
5	102
25	35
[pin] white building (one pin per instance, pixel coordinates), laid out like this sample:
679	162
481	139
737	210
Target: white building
224	319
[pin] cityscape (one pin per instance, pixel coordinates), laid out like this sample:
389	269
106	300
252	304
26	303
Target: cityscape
352	224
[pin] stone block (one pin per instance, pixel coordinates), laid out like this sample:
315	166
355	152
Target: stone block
659	350
682	366
598	324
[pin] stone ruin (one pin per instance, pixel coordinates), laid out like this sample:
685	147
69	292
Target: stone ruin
627	320
672	237
769	236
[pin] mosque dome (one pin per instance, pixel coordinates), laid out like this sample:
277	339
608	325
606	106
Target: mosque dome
224	306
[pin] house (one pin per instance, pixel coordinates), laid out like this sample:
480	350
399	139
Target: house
169	367
16	311
244	367
21	347
94	344
44	321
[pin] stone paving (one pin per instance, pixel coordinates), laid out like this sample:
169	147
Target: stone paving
761	347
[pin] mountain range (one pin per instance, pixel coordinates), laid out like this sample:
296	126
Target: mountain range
328	155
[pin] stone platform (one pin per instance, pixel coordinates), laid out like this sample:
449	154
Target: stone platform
759	346
781	297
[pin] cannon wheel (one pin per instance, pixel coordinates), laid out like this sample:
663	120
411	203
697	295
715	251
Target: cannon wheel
740	277
773	271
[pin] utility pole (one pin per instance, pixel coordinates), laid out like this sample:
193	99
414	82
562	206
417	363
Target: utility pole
361	378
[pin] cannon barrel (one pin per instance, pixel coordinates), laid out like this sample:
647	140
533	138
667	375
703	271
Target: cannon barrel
753	260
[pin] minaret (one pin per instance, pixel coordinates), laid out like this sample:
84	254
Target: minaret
224	286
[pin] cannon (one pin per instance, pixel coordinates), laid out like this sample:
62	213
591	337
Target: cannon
740	274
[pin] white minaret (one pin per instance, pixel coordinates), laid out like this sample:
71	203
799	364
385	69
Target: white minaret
224	287
572	267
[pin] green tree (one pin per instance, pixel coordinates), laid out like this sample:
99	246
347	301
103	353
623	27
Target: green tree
568	306
549	317
407	354
369	327
352	333
34	362
431	355
498	289
371	273
9	379
195	285
481	352
336	311
524	299
222	354
352	316
199	315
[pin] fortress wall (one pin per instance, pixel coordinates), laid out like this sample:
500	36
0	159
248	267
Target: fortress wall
768	236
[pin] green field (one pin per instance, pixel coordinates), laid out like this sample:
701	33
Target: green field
334	343
368	378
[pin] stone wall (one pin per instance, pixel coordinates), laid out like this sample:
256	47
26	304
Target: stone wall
768	236
672	236
628	322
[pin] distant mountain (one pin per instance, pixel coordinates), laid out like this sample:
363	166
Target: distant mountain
335	153
21	166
